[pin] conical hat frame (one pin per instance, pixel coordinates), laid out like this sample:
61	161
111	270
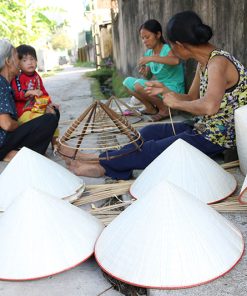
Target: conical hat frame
118	102
100	120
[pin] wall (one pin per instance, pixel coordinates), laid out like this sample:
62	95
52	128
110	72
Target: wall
227	18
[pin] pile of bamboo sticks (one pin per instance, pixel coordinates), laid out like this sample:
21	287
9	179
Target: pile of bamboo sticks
114	205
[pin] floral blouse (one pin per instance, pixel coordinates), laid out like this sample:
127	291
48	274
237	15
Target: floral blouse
219	128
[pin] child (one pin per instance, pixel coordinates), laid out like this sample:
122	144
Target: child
31	98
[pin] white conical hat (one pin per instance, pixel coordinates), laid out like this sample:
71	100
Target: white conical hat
29	168
241	139
190	169
42	235
243	192
169	239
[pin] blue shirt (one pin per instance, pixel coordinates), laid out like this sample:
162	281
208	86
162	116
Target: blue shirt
7	104
172	76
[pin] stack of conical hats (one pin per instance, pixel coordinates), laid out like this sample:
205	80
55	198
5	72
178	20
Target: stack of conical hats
241	139
43	235
168	239
188	168
29	168
99	129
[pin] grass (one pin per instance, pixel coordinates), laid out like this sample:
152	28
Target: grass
103	74
84	64
96	91
117	85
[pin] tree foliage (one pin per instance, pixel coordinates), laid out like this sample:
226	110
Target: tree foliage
22	23
61	40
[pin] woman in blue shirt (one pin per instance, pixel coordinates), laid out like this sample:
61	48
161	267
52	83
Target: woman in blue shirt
158	64
35	134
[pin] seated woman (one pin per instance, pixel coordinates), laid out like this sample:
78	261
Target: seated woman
218	89
158	63
35	134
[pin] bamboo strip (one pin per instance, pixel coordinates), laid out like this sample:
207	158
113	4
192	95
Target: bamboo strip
95	193
111	207
230	165
145	123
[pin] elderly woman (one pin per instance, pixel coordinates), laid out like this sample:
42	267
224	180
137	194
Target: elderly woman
218	89
35	134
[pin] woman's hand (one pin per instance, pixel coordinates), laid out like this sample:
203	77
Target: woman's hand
143	61
171	99
154	88
144	71
7	123
50	109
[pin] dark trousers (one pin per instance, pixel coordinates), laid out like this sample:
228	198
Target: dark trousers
156	139
36	134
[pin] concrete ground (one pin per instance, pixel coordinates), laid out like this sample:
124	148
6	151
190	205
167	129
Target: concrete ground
71	90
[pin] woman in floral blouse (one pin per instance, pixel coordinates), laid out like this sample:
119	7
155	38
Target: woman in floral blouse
218	89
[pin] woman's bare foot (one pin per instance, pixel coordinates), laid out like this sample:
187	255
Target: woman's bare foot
67	153
8	157
80	168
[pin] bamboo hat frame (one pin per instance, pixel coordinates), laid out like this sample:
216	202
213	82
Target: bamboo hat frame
99	129
120	106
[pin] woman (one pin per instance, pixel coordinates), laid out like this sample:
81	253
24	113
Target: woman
35	134
219	87
158	63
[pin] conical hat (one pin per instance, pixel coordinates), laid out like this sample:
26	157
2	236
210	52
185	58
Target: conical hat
43	235
168	239
243	192
29	168
190	169
241	139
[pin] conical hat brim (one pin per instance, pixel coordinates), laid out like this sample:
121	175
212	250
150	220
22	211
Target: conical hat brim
241	139
43	235
184	165
29	168
169	240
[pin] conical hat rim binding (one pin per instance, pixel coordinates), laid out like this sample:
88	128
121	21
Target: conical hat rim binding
212	202
47	275
173	287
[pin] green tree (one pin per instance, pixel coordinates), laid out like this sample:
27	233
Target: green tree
61	40
22	23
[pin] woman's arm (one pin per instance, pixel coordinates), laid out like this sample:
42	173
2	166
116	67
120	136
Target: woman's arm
209	104
170	59
7	123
